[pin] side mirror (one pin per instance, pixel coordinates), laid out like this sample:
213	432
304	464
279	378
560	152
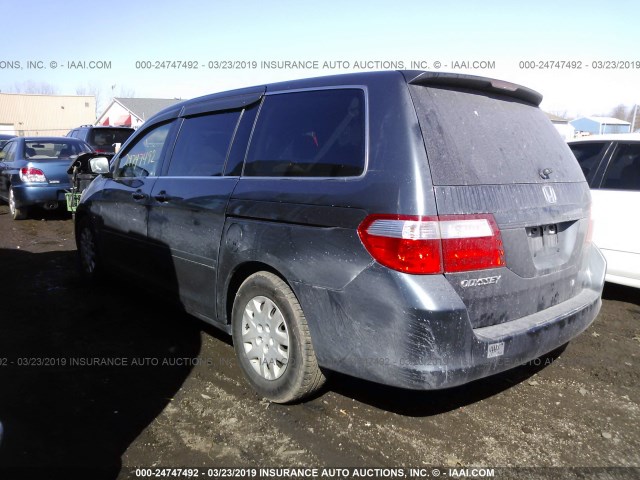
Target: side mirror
99	165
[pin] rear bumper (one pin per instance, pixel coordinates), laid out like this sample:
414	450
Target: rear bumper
34	194
414	332
505	346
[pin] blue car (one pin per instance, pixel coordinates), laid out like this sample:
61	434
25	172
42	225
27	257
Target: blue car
5	138
33	172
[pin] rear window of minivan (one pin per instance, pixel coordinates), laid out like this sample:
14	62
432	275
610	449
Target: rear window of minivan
474	137
317	133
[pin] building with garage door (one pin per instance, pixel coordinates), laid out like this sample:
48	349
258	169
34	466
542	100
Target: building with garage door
600	125
37	115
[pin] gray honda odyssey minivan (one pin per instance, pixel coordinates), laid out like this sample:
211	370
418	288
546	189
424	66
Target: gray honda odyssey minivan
416	229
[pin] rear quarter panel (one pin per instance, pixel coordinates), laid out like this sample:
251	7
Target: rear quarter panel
306	228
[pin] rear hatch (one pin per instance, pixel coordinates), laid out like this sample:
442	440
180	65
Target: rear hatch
491	150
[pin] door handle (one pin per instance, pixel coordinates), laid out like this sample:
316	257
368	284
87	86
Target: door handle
162	197
138	195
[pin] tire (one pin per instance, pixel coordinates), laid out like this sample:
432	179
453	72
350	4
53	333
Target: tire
17	213
272	341
88	254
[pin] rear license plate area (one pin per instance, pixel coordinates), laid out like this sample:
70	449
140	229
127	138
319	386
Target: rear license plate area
543	239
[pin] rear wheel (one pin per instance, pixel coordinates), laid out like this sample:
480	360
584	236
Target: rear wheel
17	213
87	249
272	341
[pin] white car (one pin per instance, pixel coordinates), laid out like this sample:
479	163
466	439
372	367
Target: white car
611	165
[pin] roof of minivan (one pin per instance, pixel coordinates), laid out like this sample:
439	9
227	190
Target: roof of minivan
416	77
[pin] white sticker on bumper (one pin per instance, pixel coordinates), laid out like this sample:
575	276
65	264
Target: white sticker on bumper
495	350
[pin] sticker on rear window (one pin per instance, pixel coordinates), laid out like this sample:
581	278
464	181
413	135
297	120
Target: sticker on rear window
495	350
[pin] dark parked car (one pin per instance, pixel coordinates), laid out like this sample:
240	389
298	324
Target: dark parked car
101	139
5	138
33	172
411	228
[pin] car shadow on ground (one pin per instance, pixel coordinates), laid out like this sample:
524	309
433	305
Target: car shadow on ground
83	370
621	293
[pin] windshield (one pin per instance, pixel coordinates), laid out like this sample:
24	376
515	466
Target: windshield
47	150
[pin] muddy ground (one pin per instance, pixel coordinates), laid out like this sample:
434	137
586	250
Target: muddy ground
577	408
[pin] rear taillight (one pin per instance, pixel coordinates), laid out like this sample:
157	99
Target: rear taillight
471	242
431	245
32	175
407	244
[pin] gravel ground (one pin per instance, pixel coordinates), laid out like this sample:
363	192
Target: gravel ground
174	396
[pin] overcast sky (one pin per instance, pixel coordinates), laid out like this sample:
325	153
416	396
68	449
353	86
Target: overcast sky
455	33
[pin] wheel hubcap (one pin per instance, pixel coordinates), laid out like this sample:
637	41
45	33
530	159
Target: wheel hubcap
87	250
265	338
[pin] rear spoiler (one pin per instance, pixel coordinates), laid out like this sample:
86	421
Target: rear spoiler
459	80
